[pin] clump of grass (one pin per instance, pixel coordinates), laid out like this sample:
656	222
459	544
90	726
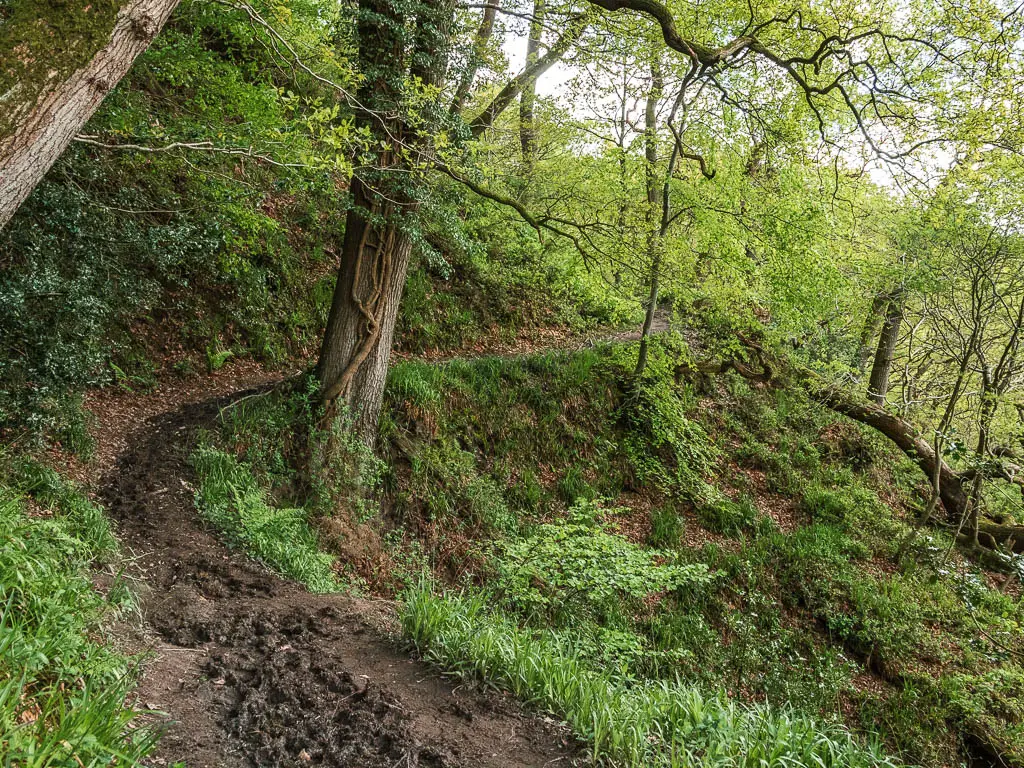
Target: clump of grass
639	724
62	684
233	501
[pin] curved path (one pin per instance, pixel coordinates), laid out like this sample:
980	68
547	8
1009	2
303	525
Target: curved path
253	670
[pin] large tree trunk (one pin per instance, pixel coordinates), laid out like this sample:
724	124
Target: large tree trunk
59	62
878	384
357	343
527	129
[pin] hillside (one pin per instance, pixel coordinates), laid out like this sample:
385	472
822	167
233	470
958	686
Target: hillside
511	384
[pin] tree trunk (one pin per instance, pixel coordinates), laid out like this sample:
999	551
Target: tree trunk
375	255
878	384
357	342
483	34
58	66
872	324
527	129
655	241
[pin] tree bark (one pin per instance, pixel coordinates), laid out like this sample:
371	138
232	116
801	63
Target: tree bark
527	129
58	66
872	325
357	342
878	384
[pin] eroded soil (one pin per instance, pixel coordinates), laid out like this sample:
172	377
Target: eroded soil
253	670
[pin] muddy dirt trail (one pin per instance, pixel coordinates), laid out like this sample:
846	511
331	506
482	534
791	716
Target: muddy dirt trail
253	670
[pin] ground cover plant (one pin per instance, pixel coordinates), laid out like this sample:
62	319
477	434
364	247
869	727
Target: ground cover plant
65	690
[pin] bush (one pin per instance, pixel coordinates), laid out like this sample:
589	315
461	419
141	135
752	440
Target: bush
575	568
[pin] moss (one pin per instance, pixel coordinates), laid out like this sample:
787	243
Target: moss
44	41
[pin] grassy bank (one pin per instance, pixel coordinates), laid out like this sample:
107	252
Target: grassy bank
64	686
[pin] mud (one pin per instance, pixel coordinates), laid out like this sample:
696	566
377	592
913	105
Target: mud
252	670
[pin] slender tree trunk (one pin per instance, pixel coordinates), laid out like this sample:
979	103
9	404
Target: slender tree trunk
483	34
872	324
878	384
655	239
574	30
59	61
981	453
527	129
357	343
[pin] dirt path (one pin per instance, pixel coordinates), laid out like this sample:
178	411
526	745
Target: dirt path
255	671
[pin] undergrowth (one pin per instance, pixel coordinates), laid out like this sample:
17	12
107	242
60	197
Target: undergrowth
808	604
63	683
639	724
234	502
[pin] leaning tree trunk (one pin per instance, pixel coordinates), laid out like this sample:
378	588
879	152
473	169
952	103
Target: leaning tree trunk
378	229
907	439
476	57
878	384
59	61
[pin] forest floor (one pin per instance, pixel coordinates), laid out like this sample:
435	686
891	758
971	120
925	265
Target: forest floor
250	669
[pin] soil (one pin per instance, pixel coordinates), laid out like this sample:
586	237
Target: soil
252	670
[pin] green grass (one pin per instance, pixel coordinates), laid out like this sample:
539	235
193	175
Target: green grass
234	502
626	724
63	683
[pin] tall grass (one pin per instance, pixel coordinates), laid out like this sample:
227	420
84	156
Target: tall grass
628	724
62	684
232	500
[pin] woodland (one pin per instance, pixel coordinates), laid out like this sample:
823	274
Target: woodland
512	383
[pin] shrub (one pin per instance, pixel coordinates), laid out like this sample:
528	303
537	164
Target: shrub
575	565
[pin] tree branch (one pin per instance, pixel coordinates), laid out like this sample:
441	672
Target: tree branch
483	121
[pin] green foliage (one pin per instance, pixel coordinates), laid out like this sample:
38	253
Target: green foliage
640	725
666	527
446	481
232	500
717	512
64	683
665	448
576	568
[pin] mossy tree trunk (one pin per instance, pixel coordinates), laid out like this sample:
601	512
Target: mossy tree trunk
878	383
59	61
656	210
